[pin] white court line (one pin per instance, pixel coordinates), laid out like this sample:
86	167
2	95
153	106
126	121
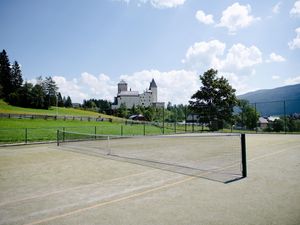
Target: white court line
73	188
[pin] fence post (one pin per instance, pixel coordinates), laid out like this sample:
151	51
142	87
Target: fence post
144	128
121	130
185	112
256	128
57	137
163	120
95	132
26	135
175	127
284	110
63	137
193	124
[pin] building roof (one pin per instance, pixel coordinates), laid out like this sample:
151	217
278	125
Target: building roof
128	93
122	82
152	84
262	120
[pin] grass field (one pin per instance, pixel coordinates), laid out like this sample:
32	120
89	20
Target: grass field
28	130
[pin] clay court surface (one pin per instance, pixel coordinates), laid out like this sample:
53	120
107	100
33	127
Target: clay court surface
42	184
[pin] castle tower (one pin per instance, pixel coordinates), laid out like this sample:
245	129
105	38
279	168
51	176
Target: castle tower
153	88
122	86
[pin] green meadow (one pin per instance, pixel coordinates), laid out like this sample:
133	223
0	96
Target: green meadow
26	130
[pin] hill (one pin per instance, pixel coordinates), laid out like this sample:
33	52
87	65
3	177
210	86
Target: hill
6	108
275	101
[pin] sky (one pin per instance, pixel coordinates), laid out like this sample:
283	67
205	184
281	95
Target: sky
88	46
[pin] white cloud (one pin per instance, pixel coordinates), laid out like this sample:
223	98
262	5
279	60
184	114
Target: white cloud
70	88
239	57
203	18
236	64
160	4
176	86
273	57
100	85
205	54
237	16
292	80
240	83
295	11
86	86
276	8
275	77
166	3
295	43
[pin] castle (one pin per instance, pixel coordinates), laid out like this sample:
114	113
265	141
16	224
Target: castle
133	98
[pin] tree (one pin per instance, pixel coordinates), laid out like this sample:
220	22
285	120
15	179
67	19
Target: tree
278	125
50	89
39	97
214	101
248	116
68	102
23	96
16	76
122	111
149	113
133	110
60	102
5	75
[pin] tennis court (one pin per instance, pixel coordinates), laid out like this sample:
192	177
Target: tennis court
49	184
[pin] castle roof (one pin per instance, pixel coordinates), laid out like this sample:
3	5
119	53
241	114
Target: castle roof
128	93
152	84
122	82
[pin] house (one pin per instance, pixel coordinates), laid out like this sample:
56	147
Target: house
263	122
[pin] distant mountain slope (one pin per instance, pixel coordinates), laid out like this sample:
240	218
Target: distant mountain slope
271	101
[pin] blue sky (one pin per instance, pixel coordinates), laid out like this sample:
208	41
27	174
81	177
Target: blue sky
88	46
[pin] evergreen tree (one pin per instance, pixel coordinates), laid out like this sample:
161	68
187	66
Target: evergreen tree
16	76
68	102
50	89
5	75
60	101
39	97
214	101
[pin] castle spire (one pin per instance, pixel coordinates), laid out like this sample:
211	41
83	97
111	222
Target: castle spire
152	84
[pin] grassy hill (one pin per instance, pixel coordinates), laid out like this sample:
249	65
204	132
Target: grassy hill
6	108
15	130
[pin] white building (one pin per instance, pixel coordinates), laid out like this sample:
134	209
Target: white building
133	98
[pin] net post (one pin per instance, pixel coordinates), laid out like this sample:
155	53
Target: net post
244	159
57	137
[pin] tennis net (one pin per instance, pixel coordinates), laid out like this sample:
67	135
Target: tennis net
214	156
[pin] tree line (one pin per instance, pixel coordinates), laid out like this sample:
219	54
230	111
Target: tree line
16	92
